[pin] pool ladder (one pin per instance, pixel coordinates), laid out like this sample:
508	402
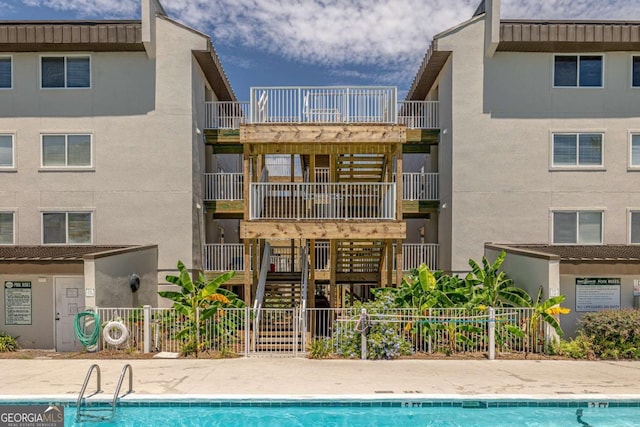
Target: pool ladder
98	414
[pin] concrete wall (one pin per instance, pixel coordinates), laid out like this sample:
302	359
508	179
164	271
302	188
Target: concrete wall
107	278
498	146
41	333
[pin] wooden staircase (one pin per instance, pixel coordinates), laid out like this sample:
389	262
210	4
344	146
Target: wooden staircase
361	256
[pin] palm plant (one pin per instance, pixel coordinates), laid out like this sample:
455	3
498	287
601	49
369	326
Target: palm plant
198	301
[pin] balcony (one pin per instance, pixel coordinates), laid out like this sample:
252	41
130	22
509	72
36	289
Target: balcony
228	186
322	105
230	256
322	201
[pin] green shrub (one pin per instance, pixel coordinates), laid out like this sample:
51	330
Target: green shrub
614	334
580	347
320	348
384	337
8	343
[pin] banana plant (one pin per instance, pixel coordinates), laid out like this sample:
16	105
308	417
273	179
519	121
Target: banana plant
542	311
198	300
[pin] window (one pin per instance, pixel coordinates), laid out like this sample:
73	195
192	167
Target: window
65	71
577	149
6	151
634	225
577	227
635	71
6	228
634	150
66	227
577	71
66	151
6	73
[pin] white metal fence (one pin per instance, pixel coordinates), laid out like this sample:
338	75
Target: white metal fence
226	114
414	254
224	256
290	332
337	104
419	114
322	201
229	186
322	105
223	186
420	186
230	256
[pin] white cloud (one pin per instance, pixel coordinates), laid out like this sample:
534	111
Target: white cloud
390	37
93	8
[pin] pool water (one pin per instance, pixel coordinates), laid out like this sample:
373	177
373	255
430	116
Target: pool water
239	414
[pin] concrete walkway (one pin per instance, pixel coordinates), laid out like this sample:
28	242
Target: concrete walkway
302	377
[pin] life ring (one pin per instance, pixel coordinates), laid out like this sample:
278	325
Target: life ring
124	333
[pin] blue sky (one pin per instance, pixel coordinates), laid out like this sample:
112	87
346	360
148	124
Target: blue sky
319	42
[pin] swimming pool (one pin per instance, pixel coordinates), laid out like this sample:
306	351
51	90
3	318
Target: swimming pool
452	413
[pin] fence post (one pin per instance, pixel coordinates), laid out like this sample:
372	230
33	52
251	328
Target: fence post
429	342
247	327
197	326
492	333
146	327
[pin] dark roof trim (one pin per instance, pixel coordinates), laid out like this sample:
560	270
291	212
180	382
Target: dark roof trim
568	36
52	253
428	72
517	251
113	252
213	71
572	253
32	36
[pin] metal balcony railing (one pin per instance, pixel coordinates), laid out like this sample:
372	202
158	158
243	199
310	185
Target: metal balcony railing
331	105
226	114
414	254
296	201
228	186
223	186
230	256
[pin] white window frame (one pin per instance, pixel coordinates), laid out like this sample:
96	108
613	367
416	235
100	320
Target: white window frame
631	72
630	164
58	211
13	233
577	211
577	166
12	167
66	160
65	56
577	86
12	71
630	212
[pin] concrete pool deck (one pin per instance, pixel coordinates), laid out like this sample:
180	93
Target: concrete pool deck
303	377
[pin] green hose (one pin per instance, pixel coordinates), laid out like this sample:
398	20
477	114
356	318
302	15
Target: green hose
87	340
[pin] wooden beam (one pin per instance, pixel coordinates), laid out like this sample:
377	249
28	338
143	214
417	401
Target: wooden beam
226	209
246	173
333	250
425	136
399	183
357	277
247	272
322	230
311	300
219	136
399	266
320	133
419	208
323	148
389	265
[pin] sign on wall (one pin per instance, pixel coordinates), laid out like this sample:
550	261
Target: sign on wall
17	303
595	294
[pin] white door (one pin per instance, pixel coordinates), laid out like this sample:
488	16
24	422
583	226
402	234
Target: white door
69	301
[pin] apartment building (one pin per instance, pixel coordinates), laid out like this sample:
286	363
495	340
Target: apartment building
539	150
102	163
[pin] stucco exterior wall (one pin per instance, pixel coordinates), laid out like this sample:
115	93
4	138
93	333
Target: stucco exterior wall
107	278
41	332
503	187
146	181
